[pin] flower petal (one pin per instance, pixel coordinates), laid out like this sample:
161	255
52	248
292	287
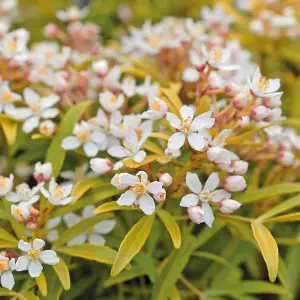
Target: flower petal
77	240
189	200
129	179
193	182
24	246
70	142
49	257
38	244
90	149
212	182
127	198
186	112
173	120
140	156
208	214
7	280
147	204
154	187
31	124
105	226
22	263
35	268
96	239
197	141
176	141
220	195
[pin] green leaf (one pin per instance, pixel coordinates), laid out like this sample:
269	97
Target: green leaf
7	237
280	208
27	296
170	273
78	228
172	227
101	254
132	243
4	215
54	286
248	287
62	271
283	273
124	276
96	195
110	206
56	154
6	292
268	248
42	284
145	263
269	191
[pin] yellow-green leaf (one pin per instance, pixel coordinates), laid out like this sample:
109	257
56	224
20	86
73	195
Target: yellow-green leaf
285	218
56	154
10	130
27	296
129	162
6	292
42	284
280	208
62	271
101	254
268	248
132	243
148	145
110	206
172	227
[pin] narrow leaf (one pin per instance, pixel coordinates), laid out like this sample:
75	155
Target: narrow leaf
42	284
110	206
132	243
172	227
268	248
62	271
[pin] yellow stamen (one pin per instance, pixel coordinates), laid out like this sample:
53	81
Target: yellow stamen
59	192
3	182
156	105
139	188
3	265
7	97
83	135
34	253
263	83
216	54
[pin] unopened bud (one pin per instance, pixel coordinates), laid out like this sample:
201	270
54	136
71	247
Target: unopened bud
166	179
196	214
34	212
260	113
228	206
51	30
240	167
161	196
272	102
240	101
286	158
101	165
32	225
235	183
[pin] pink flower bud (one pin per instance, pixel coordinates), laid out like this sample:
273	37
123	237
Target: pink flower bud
32	225
201	67
235	183
75	30
240	167
42	172
34	212
232	89
272	102
260	113
286	158
101	165
285	145
51	30
161	196
83	80
240	101
228	206
196	214
91	31
100	67
166	179
244	121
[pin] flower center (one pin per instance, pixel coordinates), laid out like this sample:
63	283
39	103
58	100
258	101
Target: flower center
263	83
112	99
12	45
216	54
156	105
36	107
139	188
7	97
206	196
44	69
34	253
186	125
3	265
3	182
83	135
59	192
154	41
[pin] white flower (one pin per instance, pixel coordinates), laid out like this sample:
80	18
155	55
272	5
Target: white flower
219	59
7	98
95	235
147	89
6	184
192	129
86	137
42	172
20	212
14	43
100	67
6	267
228	206
203	195
132	145
38	108
79	173
34	256
263	87
53	234
116	182
111	102
73	13
129	86
173	153
58	194
221	156
139	192
24	194
157	109
190	75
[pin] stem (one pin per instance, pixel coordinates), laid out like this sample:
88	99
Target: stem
191	287
232	217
